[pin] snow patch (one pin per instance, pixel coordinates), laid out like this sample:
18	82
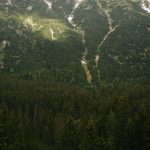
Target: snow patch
29	8
71	16
70	19
146	5
84	64
77	3
49	3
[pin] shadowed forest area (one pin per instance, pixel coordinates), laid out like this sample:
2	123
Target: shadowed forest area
40	115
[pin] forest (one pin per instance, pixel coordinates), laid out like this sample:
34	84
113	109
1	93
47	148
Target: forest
74	75
41	115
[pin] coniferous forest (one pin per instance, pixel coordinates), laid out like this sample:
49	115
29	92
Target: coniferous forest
40	115
74	74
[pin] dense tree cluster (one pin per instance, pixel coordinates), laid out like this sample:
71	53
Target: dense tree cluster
39	115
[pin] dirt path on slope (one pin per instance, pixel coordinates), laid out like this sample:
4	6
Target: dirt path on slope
111	29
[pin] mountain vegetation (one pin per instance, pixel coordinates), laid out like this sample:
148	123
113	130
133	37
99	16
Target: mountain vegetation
74	74
48	38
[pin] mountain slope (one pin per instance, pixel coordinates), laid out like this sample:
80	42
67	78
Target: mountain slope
76	41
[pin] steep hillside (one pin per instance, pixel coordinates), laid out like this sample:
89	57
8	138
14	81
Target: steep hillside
75	41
